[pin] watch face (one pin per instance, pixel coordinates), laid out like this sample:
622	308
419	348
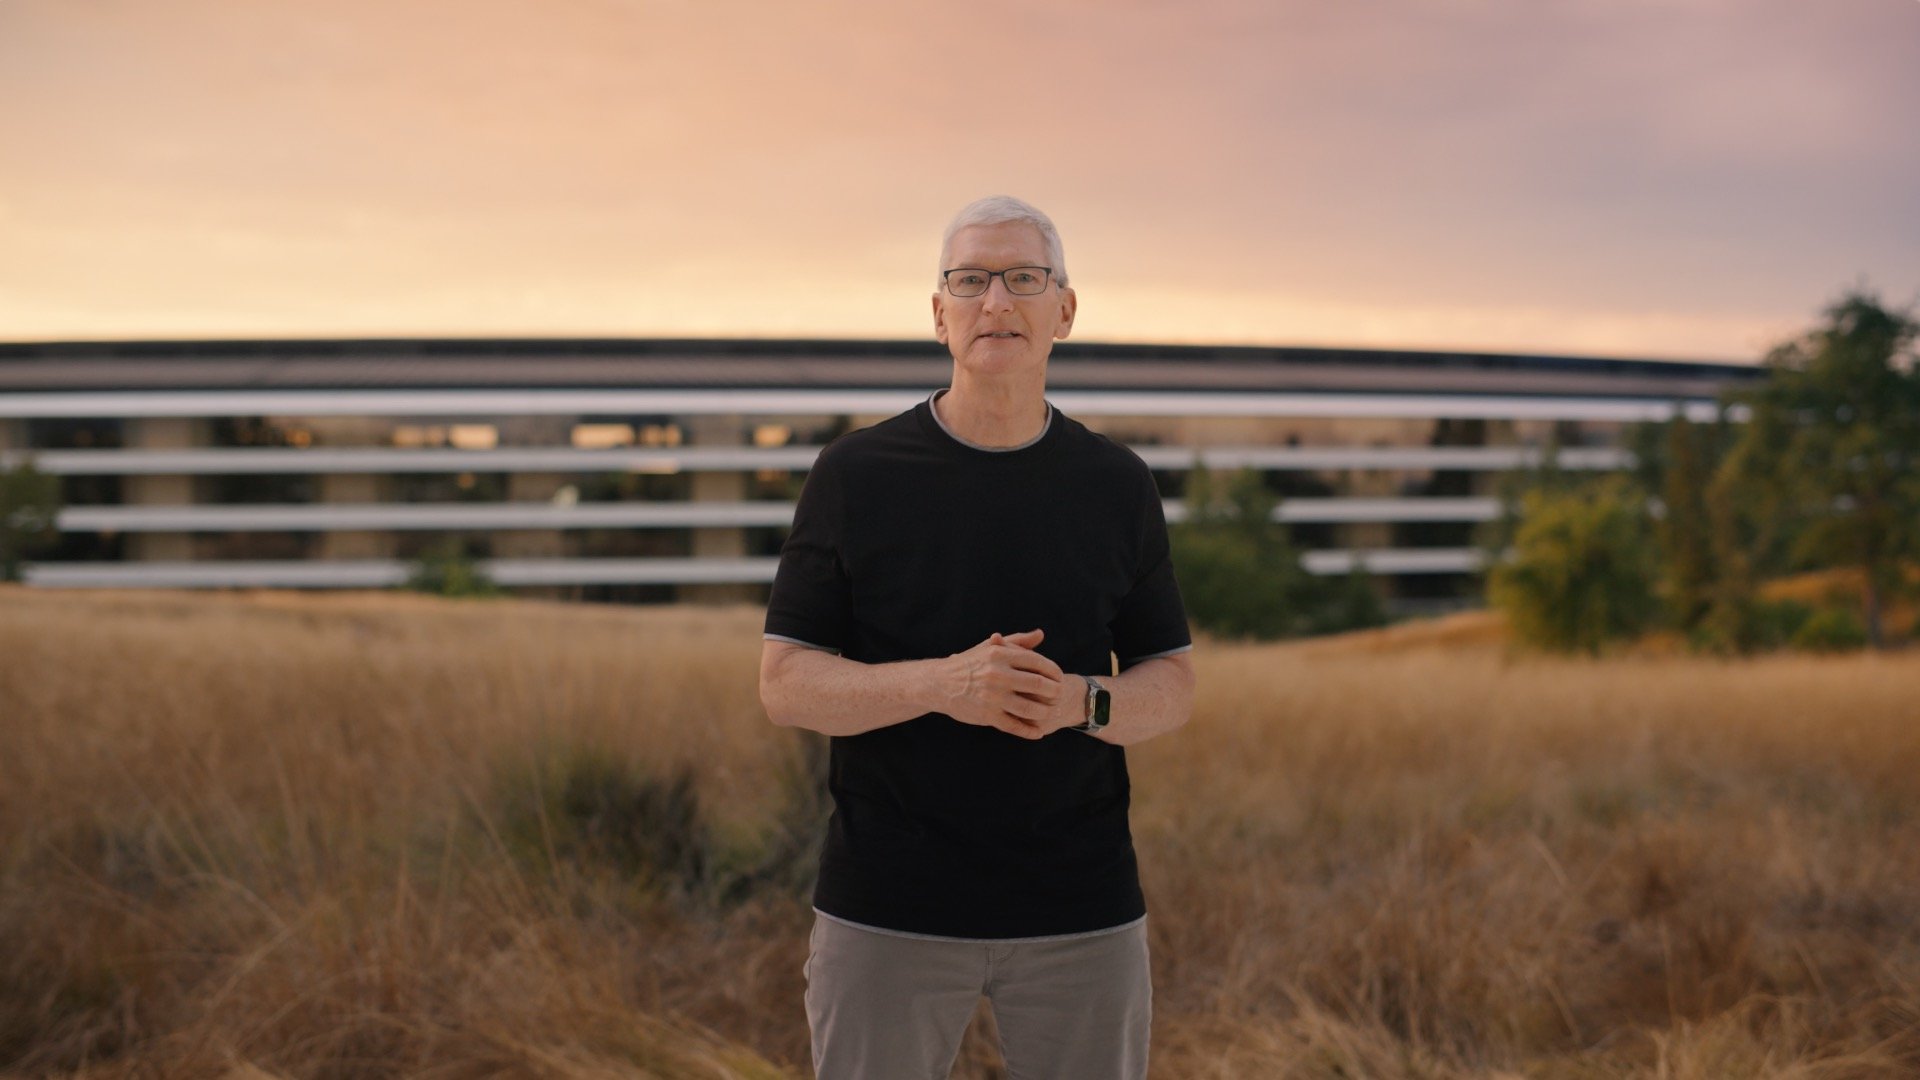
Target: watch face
1100	707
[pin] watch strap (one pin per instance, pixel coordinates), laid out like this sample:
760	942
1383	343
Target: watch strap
1099	706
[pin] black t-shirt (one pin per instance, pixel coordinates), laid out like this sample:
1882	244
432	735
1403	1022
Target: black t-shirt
909	544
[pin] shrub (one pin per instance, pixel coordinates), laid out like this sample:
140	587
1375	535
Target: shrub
1831	629
1233	588
585	813
1743	623
448	570
1351	602
1495	536
1240	576
585	810
788	857
1582	570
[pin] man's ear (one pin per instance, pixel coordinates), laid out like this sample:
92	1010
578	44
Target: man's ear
1069	305
939	319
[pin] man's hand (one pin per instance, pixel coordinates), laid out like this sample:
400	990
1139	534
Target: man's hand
1002	683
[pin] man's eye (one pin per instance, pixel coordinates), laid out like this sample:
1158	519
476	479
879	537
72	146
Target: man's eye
1025	277
970	279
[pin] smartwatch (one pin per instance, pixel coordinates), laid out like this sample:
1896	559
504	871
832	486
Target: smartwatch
1099	706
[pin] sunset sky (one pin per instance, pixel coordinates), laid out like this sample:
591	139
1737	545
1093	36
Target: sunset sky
1654	178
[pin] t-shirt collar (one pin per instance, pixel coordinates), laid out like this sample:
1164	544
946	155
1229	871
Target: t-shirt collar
976	446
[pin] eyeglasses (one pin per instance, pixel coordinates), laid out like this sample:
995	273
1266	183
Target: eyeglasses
1020	280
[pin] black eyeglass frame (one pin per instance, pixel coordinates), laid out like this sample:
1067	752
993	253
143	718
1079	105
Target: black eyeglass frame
946	280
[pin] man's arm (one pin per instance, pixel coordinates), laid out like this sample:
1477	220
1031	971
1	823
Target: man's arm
1150	698
1000	683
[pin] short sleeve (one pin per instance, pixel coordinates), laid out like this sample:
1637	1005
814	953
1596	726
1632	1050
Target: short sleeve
812	598
1151	620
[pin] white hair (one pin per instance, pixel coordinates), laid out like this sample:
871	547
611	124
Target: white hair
999	210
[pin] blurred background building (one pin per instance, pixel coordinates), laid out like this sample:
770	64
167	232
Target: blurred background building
643	470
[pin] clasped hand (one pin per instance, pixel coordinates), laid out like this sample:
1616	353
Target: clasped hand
1002	683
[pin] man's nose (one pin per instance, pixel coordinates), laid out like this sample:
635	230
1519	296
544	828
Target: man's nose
997	297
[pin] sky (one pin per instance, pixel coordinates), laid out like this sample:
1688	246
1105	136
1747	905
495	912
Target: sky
1668	179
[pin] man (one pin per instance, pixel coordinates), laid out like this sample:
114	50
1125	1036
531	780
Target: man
958	583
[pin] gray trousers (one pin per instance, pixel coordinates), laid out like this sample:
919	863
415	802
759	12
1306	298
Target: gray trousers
885	1006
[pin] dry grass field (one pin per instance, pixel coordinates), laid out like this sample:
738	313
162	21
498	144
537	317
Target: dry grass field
380	835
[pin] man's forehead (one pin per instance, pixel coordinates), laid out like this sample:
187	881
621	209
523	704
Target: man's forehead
1019	239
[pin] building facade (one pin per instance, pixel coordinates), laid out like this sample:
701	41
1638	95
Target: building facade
634	470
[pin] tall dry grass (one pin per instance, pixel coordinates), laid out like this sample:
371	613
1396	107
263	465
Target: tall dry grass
349	836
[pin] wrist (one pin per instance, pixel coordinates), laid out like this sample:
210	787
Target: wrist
1098	707
945	684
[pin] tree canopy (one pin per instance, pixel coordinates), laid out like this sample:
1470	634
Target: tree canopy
1830	447
29	507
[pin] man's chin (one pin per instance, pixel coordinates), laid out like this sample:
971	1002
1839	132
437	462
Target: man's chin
1004	361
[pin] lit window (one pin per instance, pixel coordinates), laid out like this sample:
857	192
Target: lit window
473	436
602	436
411	436
769	435
299	437
660	435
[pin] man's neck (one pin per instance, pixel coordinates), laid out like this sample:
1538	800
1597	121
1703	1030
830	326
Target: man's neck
993	414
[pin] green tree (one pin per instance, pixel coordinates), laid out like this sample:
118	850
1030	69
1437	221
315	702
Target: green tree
29	508
1720	529
1351	602
1581	572
1685	530
1833	441
1495	537
1239	574
1751	530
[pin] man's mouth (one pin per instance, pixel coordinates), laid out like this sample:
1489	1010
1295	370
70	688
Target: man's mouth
1001	334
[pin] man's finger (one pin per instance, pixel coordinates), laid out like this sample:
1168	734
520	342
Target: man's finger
1038	687
1027	660
1007	722
1027	708
1015	726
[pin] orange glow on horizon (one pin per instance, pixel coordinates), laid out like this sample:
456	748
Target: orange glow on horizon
1248	172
